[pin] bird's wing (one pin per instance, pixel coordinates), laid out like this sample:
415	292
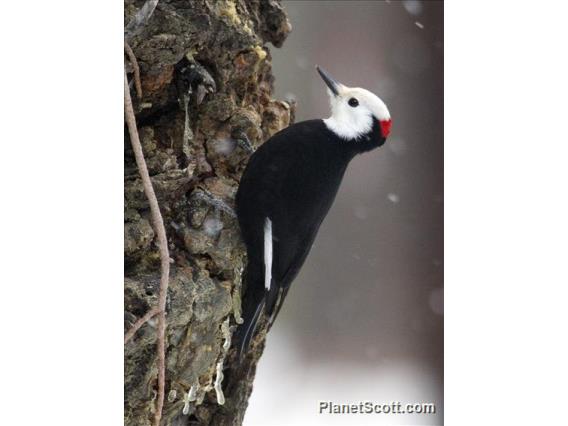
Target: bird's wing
289	254
281	187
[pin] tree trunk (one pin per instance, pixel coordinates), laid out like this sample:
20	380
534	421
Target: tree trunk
207	88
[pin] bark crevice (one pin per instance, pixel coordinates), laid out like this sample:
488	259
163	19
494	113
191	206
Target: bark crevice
207	99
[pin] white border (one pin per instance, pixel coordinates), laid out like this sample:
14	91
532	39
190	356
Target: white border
506	233
506	210
61	163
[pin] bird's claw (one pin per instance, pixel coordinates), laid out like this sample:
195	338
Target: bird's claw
216	202
244	142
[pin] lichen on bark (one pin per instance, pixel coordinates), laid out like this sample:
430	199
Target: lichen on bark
207	85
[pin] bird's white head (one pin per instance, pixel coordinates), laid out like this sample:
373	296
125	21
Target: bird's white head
354	111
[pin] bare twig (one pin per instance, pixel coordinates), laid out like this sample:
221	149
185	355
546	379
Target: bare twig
140	19
135	67
162	243
139	323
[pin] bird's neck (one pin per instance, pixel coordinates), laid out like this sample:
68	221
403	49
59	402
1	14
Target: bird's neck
362	143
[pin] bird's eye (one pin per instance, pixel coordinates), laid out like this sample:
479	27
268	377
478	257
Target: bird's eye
353	102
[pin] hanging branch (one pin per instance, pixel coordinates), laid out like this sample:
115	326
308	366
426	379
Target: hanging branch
139	323
162	244
135	67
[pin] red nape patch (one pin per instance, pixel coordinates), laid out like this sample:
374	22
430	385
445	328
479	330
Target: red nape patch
385	127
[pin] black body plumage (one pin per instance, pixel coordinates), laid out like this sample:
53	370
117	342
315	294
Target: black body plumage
292	179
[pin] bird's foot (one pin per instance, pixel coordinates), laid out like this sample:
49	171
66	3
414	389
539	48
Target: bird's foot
216	202
244	142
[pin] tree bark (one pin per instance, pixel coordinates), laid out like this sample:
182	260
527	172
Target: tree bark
207	103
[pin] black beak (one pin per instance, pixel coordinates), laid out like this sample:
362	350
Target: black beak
329	80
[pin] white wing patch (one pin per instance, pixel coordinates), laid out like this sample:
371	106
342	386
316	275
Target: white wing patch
267	253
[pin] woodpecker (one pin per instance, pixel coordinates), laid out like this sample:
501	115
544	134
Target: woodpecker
288	188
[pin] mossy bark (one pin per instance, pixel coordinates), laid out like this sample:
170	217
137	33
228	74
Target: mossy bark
207	84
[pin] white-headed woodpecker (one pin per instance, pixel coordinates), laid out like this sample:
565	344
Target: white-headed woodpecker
287	189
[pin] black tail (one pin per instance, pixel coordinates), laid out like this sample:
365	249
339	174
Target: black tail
278	305
253	302
247	329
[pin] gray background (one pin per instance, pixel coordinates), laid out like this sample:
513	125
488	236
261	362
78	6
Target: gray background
364	319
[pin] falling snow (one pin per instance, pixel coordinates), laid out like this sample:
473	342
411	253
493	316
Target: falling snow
414	7
419	25
393	198
224	146
212	226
